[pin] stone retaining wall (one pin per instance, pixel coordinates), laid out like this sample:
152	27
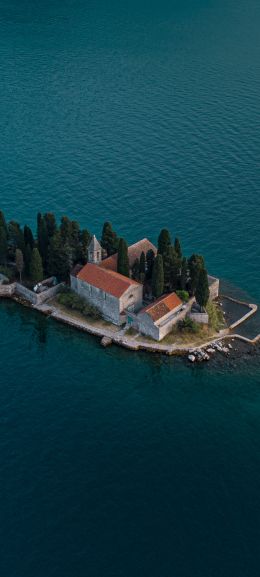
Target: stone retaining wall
21	291
202	318
213	287
7	290
37	298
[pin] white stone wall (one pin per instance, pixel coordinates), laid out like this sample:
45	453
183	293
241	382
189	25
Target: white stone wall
202	318
213	287
7	290
109	305
36	298
133	298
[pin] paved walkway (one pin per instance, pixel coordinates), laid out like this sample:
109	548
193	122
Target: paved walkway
134	342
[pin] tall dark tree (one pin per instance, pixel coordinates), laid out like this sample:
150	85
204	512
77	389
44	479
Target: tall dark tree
36	268
142	263
65	229
85	237
28	236
19	262
164	241
177	247
43	239
202	289
16	238
3	222
3	245
109	239
136	269
171	266
158	277
59	257
184	274
150	256
27	259
122	258
195	264
50	220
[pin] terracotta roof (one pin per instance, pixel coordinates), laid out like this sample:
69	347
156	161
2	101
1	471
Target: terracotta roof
134	252
162	306
109	281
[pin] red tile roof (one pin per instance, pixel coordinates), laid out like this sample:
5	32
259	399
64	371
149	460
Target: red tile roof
134	252
162	306
107	280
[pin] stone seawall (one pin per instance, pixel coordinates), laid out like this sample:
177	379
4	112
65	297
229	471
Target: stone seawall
213	287
7	290
16	289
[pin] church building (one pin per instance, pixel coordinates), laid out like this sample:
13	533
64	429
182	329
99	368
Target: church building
110	292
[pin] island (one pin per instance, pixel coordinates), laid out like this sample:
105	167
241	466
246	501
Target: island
142	296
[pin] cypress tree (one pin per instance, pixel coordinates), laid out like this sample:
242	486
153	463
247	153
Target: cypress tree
150	256
196	263
65	229
177	247
142	263
3	245
43	240
202	289
171	267
136	269
36	268
19	263
3	222
109	240
16	237
164	241
122	258
28	236
50	224
184	274
59	257
27	259
84	242
158	277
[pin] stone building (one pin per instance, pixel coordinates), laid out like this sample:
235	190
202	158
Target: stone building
94	251
112	293
157	319
134	252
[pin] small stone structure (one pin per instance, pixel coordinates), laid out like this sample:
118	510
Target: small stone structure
157	319
94	251
25	293
197	315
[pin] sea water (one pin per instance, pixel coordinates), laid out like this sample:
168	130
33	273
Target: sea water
114	463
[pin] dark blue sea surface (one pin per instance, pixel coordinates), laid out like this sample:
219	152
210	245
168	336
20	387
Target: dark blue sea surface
112	463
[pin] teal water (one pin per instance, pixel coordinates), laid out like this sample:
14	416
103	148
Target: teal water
114	463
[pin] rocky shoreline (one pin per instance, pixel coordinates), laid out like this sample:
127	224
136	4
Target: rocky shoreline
225	345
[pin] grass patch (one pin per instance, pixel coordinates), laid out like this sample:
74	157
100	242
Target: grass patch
216	317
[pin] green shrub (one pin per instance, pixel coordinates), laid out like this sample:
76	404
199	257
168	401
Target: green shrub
188	326
183	295
216	318
9	272
72	301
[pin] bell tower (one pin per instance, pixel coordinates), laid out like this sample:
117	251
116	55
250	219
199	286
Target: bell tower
94	251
